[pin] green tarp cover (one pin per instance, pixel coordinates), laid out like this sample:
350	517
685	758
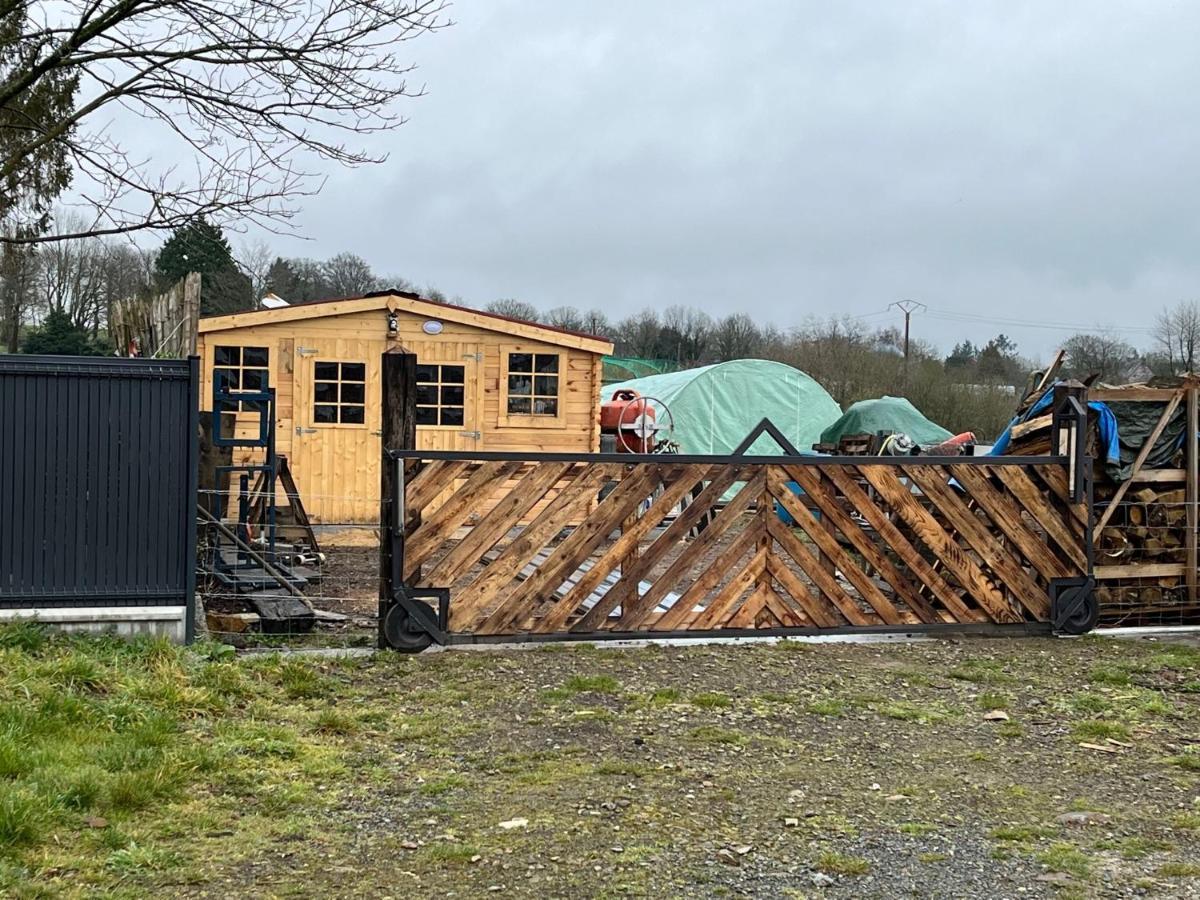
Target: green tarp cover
886	414
716	406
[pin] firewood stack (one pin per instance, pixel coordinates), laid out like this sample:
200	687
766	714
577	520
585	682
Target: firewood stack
1145	548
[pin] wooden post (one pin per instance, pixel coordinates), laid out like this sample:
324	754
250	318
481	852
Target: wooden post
398	431
1192	457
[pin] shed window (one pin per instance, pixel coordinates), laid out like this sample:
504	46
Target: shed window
339	393
241	368
533	384
440	394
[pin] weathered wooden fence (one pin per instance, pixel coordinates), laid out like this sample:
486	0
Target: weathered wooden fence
587	547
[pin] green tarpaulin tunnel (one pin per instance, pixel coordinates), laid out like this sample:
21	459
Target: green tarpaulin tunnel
716	406
886	414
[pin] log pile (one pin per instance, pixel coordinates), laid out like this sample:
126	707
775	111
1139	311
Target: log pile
1145	516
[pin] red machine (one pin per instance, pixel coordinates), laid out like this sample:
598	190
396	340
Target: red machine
630	418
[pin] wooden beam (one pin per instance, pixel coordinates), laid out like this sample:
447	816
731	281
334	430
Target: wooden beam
1172	405
1192	449
1132	394
1139	570
398	430
1154	476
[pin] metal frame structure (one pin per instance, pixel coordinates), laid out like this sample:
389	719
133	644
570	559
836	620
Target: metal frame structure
1072	601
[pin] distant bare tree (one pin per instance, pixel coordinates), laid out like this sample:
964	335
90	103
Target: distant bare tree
255	258
639	334
252	91
597	323
1177	336
18	276
567	317
736	337
686	334
348	275
514	309
1113	359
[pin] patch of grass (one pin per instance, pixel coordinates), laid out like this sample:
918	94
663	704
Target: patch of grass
1189	821
990	700
450	854
1137	847
711	700
1010	730
443	785
25	635
22	816
930	858
982	671
302	681
1188	761
135	859
1099	730
1022	834
833	863
1178	870
664	697
596	684
334	721
827	706
1114	676
922	714
1064	857
1087	703
917	829
788	645
714	734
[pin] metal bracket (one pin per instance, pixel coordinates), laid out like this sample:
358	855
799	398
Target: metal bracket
766	426
420	616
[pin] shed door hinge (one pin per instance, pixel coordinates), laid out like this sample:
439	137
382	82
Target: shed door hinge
472	434
478	357
306	351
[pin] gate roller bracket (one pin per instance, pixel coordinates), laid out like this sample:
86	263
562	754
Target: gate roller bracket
410	625
1074	608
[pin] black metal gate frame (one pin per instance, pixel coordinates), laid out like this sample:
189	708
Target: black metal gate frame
1067	595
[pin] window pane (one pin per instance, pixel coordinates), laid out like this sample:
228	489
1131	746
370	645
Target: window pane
326	392
426	415
452	374
227	423
227	356
520	384
354	372
545	407
324	413
452	415
255	356
326	371
427	393
520	362
426	372
546	385
226	379
353	393
352	415
519	406
547	363
254	379
452	395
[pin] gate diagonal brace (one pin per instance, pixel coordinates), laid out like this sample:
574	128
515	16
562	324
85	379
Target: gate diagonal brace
420	616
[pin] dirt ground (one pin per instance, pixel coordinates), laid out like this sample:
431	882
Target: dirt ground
949	768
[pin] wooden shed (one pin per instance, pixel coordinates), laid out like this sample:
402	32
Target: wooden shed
485	382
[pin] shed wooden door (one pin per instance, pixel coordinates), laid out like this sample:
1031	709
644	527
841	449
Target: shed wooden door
335	448
449	396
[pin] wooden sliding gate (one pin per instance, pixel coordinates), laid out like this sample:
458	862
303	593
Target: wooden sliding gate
499	547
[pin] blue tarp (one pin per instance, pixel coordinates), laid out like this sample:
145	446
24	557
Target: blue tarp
1105	419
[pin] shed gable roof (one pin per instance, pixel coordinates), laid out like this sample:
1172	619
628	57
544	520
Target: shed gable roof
403	301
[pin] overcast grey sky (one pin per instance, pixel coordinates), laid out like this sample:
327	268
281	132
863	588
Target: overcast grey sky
1018	160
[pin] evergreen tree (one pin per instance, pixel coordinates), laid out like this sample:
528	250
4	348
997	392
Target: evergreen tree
201	247
59	336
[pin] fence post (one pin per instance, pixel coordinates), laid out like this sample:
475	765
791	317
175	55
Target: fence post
398	431
1069	434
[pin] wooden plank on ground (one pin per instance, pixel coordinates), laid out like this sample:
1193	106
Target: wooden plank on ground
831	509
832	550
467	603
505	515
909	555
932	480
886	481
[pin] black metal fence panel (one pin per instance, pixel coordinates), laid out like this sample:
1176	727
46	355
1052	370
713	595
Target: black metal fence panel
98	463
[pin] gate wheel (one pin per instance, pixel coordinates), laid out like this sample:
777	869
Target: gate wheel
401	635
1084	619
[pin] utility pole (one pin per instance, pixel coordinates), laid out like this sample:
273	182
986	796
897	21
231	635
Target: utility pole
908	307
